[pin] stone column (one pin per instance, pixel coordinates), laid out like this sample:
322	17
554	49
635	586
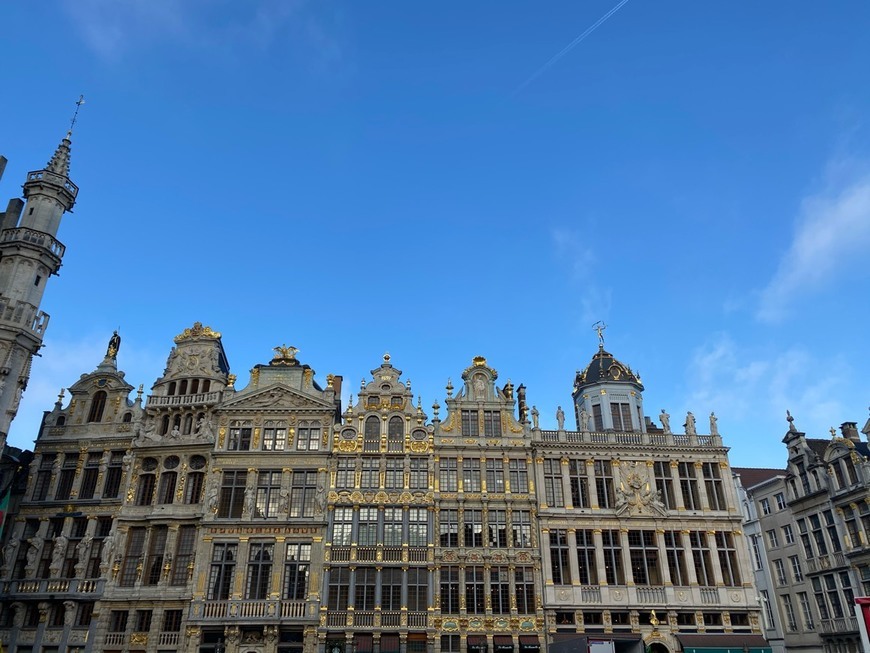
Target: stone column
566	484
573	562
702	486
678	489
626	557
663	557
690	562
599	556
714	555
546	558
590	482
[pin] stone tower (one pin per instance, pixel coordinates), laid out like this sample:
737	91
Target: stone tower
29	254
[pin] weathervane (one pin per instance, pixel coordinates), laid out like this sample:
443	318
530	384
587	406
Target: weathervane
599	327
72	123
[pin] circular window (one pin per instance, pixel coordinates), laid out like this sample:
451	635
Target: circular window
419	434
348	434
197	462
171	462
149	464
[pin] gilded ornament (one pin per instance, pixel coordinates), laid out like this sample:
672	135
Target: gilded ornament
197	331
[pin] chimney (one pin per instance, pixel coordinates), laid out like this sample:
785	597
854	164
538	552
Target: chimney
850	431
336	385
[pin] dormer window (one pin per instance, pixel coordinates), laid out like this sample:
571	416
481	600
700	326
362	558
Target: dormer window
470	426
98	405
620	413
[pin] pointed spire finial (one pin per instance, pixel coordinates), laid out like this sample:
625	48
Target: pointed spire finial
72	123
790	421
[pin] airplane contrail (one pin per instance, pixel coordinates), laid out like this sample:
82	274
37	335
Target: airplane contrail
570	46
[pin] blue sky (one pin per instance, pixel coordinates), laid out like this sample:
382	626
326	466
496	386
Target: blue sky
359	177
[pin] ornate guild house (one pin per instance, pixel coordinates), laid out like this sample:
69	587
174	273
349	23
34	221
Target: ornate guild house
267	516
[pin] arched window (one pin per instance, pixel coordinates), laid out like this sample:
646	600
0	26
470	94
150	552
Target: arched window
188	424
206	385
395	434
172	388
145	494
98	405
61	420
128	417
167	487
194	386
164	425
372	434
183	388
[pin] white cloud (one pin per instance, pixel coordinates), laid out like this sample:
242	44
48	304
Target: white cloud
755	390
832	229
579	257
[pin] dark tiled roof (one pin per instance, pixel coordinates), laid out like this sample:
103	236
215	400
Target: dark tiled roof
752	476
818	446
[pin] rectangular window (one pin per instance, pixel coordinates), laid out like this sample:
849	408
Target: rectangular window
471	475
145	490
475	590
133	557
818	534
772	539
765	506
366	581
833	535
418	589
788	611
620	413
788	534
689	485
418	526
492	423
768	610
90	474
339	588
118	621
470	424
524	584
450	590
222	572
494	475
500	590
447	475
391	589
612	557
194	487
274	435
393	526
553	482
156	551
182	564
260	557
806	611
166	493
171	621
597	417
448	527
342	526
419	478
796	571
143	621
579	483
518	475
713	485
665	483
268	493
560	568
394	474
586	566
701	558
232	497
644	555
113	475
757	558
308	436
345	472
240	436
371	471
67	476
780	501
303	493
496	528
472	524
368	526
521	528
676	558
604	484
779	567
43	476
296	569
727	558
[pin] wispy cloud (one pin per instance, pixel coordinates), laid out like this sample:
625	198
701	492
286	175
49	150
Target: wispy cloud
744	386
833	228
575	252
112	28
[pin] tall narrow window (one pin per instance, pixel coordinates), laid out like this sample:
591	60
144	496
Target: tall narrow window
394	475
133	557
232	497
450	590
67	476
701	558
418	586
728	558
519	475
339	589
113	475
268	493
475	590
472	528
145	491
274	435
524	584
470	425
560	569
391	589
448	527
521	528
182	564
604	484
500	590
154	561
597	417
372	437
240	436
419	479
367	534
644	555
579	483
366	581
612	557
98	405
303	493
418	526
492	423
447	475
496	528
494	475
341	526
222	572
296	569
260	558
308	436
586	568
714	486
396	434
620	413
553	482
167	487
90	474
43	476
393	519
471	475
369	477
665	483
676	557
344	474
689	486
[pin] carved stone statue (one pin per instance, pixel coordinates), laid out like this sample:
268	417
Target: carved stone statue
560	418
714	427
114	345
536	416
666	421
250	501
690	424
35	542
69	615
283	499
204	429
59	553
9	552
108	550
211	499
584	419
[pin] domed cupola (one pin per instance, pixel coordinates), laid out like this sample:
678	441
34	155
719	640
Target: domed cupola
607	395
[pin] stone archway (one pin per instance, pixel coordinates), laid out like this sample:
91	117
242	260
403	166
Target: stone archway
657	647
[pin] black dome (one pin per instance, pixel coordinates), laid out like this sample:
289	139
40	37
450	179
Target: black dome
604	368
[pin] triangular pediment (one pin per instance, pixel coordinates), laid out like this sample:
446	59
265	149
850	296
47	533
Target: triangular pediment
277	397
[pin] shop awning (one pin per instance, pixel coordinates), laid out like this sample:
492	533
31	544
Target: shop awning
362	643
476	641
389	644
503	643
530	643
730	643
